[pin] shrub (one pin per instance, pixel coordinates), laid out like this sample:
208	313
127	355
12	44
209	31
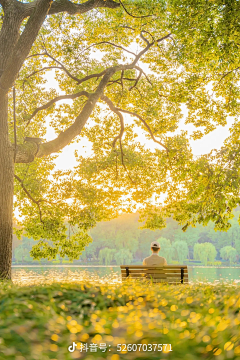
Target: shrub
214	263
56	262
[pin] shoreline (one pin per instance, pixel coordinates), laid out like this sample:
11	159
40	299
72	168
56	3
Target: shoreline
114	266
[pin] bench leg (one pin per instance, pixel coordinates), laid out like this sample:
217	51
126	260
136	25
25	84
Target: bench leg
182	275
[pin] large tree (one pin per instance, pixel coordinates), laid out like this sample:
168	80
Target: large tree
139	62
20	25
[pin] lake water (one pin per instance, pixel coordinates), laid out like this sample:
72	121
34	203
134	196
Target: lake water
102	273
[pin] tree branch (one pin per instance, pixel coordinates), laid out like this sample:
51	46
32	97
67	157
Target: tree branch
123	164
116	165
143	38
118	112
114	109
146	125
27	152
53	101
120	135
37	10
30	196
148	47
163	38
137	17
26	191
74	130
119	80
226	74
79	81
147	32
38	71
109	43
141	70
59	63
136	81
24	45
121	67
73	8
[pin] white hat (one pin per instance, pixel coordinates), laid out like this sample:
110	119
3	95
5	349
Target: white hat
155	244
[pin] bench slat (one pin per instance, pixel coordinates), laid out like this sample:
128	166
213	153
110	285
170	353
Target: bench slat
177	281
163	279
153	267
133	273
160	276
157	271
169	282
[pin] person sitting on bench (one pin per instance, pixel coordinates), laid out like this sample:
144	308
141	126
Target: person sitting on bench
155	259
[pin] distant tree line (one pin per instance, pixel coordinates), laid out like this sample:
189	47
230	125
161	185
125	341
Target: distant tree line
121	241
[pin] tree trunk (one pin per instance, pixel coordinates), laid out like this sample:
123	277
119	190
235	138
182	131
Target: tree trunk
6	192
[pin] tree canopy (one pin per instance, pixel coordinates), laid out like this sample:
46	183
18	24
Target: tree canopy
123	69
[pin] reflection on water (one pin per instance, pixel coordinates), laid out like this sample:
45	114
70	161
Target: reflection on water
109	274
212	274
36	276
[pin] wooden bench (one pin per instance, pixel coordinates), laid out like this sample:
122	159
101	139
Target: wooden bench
172	274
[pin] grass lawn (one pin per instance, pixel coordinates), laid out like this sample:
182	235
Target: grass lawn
41	321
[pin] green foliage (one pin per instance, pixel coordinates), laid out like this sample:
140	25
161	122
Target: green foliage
123	256
43	321
205	252
214	263
228	253
196	68
181	249
166	249
106	256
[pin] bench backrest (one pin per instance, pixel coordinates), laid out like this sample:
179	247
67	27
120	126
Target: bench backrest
173	274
